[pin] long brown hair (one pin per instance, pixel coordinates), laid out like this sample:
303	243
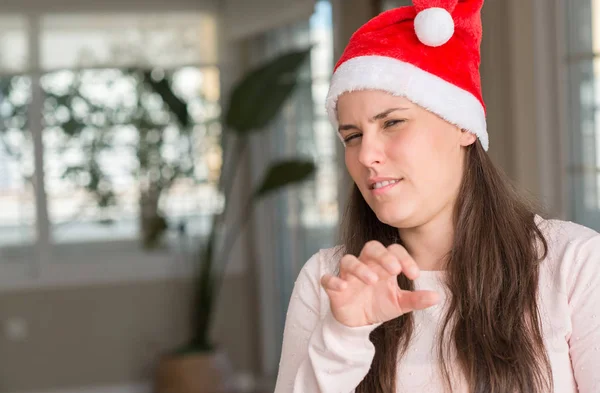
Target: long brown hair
493	325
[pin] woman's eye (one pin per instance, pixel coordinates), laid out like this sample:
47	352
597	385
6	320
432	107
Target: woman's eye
351	137
391	123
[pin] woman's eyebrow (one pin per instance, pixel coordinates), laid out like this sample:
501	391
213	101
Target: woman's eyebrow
347	127
379	116
385	113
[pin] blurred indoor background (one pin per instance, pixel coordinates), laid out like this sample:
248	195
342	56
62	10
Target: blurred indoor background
107	193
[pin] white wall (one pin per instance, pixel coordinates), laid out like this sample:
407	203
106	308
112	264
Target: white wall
244	18
37	6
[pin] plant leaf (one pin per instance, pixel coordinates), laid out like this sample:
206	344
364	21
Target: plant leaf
72	127
284	173
260	95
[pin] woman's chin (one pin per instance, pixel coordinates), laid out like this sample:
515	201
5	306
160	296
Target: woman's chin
398	218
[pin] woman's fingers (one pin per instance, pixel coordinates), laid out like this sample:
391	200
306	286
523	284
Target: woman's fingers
417	300
408	265
376	262
352	266
394	259
333	283
376	253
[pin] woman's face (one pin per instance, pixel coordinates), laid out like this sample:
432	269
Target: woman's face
406	161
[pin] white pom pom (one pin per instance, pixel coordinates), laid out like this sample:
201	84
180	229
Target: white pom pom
434	26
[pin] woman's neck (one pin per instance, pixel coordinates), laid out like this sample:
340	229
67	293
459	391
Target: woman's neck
430	244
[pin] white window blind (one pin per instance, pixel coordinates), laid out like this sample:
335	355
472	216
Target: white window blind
13	43
126	39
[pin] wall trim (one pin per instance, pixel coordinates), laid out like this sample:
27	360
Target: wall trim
245	382
93	264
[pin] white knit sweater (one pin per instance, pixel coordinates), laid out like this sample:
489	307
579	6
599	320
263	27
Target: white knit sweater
320	355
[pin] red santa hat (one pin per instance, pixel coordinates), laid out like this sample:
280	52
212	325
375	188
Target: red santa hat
428	53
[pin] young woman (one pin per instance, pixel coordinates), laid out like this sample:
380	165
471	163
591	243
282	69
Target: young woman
446	280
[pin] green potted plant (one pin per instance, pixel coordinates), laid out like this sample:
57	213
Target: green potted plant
255	101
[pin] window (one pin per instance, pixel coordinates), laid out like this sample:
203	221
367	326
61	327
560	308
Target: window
106	148
79	98
583	68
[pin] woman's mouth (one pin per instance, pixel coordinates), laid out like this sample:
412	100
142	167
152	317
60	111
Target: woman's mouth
383	186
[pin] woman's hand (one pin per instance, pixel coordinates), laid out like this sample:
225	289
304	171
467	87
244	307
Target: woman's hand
367	292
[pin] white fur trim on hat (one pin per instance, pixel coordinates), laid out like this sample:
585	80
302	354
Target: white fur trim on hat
450	102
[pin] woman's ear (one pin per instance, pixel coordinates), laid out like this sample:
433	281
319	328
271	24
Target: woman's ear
467	138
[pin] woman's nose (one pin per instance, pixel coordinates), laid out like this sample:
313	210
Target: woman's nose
371	150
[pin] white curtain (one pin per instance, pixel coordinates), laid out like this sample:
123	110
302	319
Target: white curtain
291	226
583	73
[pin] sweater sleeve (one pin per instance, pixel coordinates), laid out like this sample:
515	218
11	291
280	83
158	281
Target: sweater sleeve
319	354
584	302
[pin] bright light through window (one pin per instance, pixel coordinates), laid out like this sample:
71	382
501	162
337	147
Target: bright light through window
17	212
